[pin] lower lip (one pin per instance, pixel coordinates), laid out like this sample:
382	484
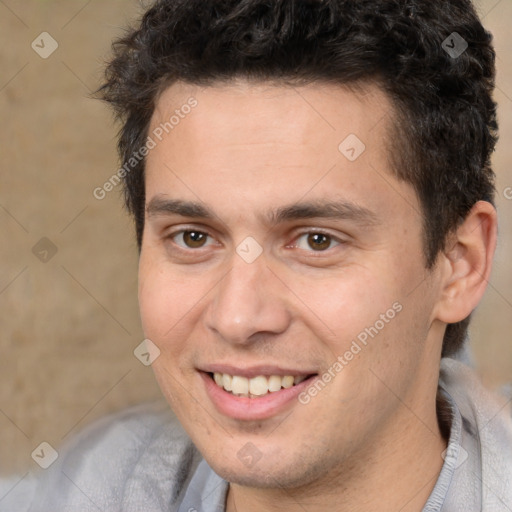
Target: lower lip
242	408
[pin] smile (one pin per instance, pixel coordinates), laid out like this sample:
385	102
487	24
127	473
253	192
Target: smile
256	387
253	397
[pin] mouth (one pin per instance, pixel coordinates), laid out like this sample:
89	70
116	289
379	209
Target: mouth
255	387
255	396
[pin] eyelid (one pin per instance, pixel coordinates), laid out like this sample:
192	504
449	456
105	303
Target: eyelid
183	229
320	231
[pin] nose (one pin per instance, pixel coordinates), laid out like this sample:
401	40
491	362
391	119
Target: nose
248	303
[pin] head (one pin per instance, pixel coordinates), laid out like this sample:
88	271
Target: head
272	101
444	125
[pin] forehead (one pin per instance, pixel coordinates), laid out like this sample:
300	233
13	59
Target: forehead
259	110
271	143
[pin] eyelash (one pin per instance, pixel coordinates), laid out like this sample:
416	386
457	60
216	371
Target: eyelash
332	238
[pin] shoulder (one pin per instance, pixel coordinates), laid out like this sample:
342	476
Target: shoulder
136	459
487	425
472	397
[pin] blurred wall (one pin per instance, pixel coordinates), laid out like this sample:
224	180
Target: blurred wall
68	261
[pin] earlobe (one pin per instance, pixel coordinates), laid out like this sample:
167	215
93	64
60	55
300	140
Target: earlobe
467	263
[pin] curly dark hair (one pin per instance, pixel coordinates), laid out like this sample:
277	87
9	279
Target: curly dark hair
445	117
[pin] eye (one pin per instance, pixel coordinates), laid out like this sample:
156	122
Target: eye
190	239
315	240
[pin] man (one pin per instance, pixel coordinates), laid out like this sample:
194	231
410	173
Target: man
313	201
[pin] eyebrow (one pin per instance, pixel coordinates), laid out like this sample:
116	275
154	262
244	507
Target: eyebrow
335	210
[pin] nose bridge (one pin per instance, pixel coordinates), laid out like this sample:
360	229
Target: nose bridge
247	301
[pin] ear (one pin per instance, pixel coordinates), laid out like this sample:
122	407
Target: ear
466	264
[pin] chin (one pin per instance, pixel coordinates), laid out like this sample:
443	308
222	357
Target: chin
271	474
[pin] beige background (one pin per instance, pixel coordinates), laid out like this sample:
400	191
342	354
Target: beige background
69	326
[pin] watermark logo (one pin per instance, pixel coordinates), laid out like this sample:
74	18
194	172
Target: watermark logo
45	455
454	45
249	249
456	455
44	250
44	45
352	147
147	352
249	455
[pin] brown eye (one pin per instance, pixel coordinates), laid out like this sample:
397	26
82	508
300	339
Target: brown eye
194	239
319	241
191	239
316	241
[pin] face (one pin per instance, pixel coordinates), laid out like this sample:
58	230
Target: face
279	251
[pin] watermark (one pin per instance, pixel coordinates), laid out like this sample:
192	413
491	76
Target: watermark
454	45
45	455
146	352
249	249
352	147
136	157
507	193
249	455
44	250
44	45
456	455
355	347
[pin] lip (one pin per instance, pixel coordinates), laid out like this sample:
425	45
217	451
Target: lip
252	409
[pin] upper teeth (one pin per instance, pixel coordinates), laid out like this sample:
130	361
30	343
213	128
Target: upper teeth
257	386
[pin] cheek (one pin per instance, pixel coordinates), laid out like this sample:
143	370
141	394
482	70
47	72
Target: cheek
346	302
166	302
368	321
